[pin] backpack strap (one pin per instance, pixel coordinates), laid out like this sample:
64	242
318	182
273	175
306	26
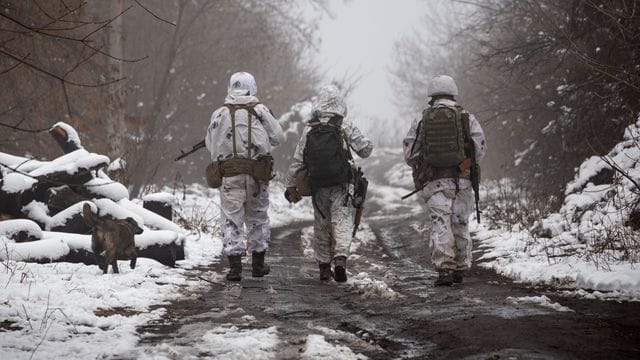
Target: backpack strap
250	112
418	135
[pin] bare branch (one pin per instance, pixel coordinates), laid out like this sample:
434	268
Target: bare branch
153	14
18	128
46	72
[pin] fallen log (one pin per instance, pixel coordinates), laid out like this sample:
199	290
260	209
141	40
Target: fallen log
20	230
61	198
66	137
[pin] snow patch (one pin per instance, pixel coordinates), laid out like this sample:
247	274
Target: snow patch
317	348
540	301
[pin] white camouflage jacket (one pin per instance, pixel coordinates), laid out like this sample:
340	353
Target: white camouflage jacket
266	132
328	104
411	142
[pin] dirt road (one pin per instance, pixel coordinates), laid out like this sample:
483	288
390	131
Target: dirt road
390	309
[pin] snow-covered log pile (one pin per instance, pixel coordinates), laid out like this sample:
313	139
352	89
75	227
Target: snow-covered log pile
600	213
41	206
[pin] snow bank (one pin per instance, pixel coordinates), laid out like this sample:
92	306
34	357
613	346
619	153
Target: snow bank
592	212
521	257
588	244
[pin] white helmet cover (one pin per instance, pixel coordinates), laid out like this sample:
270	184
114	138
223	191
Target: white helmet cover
330	100
442	85
243	81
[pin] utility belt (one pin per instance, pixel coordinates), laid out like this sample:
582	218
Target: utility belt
450	172
425	173
260	169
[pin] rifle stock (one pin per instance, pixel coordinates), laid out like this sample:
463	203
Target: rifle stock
195	148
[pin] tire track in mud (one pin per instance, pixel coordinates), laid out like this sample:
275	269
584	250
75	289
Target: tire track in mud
389	308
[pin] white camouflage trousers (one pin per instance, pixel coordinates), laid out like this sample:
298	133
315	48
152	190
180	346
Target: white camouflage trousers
450	240
244	202
333	223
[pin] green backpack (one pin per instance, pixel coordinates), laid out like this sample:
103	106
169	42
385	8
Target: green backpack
444	136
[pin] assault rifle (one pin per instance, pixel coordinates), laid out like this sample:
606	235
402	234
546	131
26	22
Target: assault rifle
195	148
359	195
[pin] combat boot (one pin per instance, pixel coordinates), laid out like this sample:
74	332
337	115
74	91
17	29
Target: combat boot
259	268
457	276
444	278
325	271
235	268
340	268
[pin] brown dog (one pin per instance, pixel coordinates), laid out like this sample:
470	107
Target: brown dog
114	237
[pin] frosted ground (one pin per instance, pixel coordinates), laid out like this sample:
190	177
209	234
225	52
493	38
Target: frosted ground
64	310
73	311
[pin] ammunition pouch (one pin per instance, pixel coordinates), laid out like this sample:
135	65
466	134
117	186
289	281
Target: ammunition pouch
303	184
263	168
213	174
421	175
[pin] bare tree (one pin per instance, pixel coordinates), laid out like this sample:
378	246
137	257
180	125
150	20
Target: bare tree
172	96
56	63
553	81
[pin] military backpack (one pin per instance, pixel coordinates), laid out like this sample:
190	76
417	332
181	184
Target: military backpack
326	155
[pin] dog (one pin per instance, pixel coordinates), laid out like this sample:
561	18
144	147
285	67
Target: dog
114	237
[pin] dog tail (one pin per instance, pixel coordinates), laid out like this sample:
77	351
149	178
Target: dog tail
87	214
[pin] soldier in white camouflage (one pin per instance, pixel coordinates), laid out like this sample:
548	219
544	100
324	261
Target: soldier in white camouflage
244	201
447	191
333	209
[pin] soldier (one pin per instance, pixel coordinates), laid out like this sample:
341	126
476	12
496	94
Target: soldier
239	138
324	153
441	149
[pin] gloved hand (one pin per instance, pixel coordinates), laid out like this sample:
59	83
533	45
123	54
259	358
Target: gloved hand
292	195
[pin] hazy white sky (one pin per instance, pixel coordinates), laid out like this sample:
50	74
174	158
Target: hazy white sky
359	40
